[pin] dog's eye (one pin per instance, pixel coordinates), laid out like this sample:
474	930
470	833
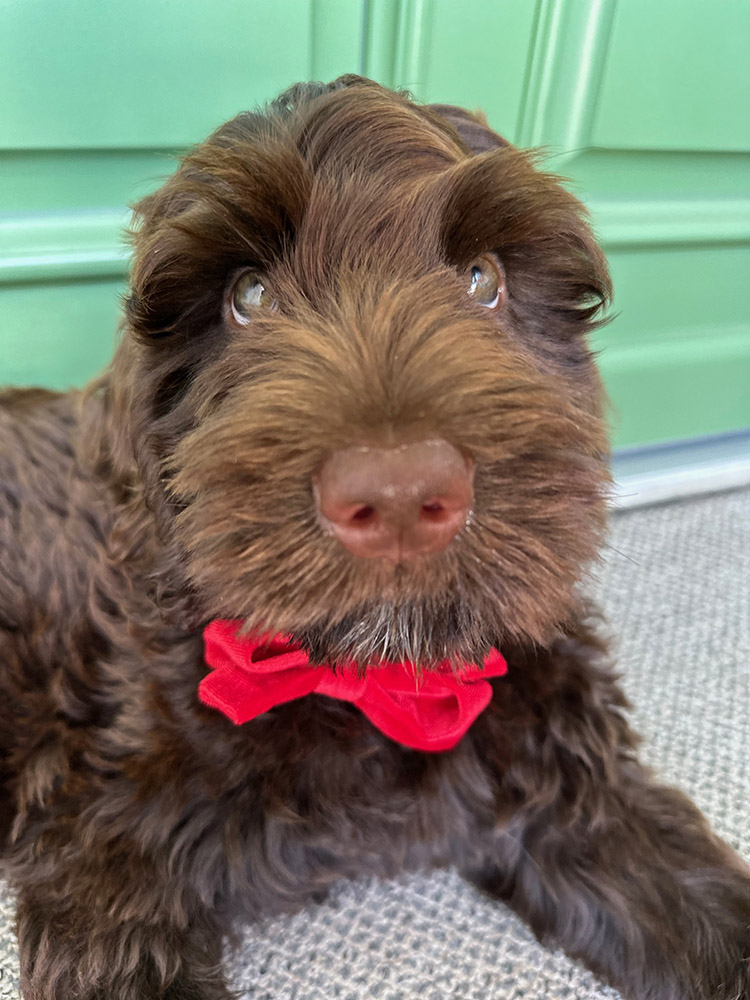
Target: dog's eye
487	282
248	293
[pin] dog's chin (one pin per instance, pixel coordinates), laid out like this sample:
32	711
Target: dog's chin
421	633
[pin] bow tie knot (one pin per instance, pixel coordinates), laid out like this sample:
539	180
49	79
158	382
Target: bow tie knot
428	710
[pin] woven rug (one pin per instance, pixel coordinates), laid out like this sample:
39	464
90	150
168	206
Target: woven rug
675	582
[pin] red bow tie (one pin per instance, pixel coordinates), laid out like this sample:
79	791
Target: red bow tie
427	711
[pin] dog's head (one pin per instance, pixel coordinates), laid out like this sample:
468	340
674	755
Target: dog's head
359	385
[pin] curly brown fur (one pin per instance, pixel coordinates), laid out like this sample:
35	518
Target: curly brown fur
140	825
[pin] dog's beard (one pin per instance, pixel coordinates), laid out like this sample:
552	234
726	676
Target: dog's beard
256	550
424	633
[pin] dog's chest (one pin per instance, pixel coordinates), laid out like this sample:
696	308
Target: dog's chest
335	795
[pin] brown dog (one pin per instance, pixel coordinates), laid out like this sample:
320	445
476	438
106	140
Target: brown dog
353	404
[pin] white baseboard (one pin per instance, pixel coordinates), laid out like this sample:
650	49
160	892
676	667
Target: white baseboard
658	473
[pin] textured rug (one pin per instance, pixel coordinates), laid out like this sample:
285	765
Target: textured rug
675	583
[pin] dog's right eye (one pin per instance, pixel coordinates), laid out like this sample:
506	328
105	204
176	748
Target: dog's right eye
487	282
247	294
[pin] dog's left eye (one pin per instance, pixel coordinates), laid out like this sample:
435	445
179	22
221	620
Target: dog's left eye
248	293
487	282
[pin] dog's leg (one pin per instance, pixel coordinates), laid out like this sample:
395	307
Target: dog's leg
623	873
71	952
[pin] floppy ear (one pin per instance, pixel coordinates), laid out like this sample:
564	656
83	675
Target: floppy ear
472	128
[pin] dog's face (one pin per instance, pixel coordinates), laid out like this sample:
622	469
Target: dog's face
340	297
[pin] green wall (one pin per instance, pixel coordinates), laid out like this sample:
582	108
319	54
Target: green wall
643	104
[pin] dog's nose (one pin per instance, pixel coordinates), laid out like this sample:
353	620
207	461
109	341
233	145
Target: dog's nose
395	503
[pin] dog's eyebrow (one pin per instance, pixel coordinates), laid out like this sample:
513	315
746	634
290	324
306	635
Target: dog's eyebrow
247	197
499	199
231	204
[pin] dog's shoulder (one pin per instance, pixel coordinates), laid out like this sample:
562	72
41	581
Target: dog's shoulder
38	467
37	428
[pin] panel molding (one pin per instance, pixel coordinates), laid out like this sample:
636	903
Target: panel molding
381	20
568	56
411	44
64	246
654	223
330	21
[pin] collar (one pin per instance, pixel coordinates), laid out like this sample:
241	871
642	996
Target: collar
430	711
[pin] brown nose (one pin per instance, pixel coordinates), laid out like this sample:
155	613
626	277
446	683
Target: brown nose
395	503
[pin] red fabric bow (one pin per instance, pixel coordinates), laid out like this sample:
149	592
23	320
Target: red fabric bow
428	711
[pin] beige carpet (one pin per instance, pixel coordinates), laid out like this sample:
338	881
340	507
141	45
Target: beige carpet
676	585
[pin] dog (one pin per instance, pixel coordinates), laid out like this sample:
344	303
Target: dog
291	593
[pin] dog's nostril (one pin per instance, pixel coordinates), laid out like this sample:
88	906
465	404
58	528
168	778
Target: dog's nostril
363	514
433	509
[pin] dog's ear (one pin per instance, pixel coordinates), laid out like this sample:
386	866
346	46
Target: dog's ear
472	128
